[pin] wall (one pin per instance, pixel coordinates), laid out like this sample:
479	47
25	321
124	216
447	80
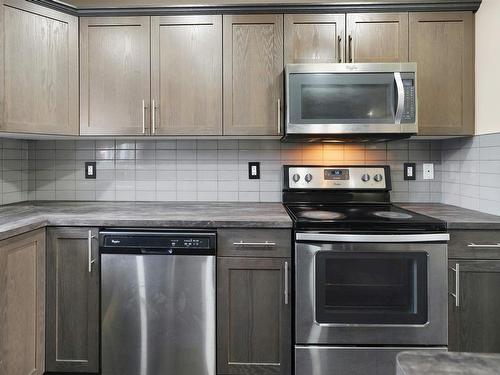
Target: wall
207	170
487	62
13	171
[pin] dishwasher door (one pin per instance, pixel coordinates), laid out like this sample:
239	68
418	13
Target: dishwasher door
158	314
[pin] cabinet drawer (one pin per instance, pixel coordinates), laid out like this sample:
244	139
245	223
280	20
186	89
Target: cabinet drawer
474	244
254	242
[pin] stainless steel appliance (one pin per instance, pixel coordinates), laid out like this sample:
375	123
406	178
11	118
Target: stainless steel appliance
350	101
370	277
157	302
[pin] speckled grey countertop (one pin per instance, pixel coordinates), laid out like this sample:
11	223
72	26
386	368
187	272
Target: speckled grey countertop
22	217
456	217
429	363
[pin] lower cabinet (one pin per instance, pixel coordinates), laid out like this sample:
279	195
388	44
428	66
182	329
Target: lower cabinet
72	322
474	309
253	316
22	304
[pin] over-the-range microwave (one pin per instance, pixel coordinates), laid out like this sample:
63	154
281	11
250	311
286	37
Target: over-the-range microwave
350	102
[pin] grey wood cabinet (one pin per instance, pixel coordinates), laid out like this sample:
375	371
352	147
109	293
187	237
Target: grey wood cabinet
186	75
314	38
39	69
253	316
253	74
114	75
22	304
442	44
72	323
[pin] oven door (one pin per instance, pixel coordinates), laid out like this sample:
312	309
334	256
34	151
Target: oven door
371	289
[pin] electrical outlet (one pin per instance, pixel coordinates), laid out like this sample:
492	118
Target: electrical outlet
409	171
254	170
90	169
428	171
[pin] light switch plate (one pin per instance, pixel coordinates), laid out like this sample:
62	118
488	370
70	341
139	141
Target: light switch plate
254	170
90	169
409	171
428	171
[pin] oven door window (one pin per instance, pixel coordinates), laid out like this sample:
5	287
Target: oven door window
371	288
335	98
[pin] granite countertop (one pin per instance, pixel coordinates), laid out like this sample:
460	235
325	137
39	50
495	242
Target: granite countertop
456	217
445	363
23	217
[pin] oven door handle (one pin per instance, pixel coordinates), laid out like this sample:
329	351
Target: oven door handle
329	237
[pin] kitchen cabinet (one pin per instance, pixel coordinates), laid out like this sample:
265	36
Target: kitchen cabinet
253	74
39	62
114	75
72	327
314	38
442	45
253	316
22	304
474	281
377	37
186	75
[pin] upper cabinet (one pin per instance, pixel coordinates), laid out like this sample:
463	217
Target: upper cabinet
377	37
114	75
314	38
186	75
39	63
253	74
442	44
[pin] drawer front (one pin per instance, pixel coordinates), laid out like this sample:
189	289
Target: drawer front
474	244
254	243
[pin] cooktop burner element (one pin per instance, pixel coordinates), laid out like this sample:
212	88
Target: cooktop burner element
392	215
322	215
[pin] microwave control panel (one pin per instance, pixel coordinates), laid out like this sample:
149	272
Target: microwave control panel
409	112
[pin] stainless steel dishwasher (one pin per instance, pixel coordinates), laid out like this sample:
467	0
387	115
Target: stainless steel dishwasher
157	302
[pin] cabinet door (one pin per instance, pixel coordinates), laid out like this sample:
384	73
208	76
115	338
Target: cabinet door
314	38
22	304
442	44
253	68
377	37
474	324
72	300
114	75
39	62
186	75
253	316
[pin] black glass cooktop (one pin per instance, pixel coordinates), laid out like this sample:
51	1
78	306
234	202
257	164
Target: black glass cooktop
365	217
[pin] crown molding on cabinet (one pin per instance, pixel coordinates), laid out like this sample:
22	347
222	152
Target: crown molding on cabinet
319	7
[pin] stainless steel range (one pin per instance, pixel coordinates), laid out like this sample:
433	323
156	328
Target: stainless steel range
370	277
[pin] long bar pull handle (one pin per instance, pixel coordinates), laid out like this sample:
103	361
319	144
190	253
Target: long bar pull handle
286	283
479	246
456	295
143	116
90	260
279	116
350	49
254	244
339	48
153	117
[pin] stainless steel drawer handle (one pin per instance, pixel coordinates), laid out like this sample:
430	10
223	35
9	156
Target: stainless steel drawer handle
479	246
456	295
90	260
254	244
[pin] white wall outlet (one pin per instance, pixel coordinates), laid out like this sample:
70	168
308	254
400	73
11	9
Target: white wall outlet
428	171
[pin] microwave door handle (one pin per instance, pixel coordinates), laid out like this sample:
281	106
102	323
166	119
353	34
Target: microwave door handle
401	97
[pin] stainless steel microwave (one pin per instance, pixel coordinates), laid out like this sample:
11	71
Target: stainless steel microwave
365	101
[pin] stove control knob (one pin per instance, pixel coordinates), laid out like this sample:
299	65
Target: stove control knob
365	178
295	177
378	177
308	177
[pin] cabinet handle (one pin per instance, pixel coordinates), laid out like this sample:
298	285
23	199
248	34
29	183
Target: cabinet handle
339	48
350	49
153	117
456	295
279	116
143	117
255	244
478	246
286	283
90	260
